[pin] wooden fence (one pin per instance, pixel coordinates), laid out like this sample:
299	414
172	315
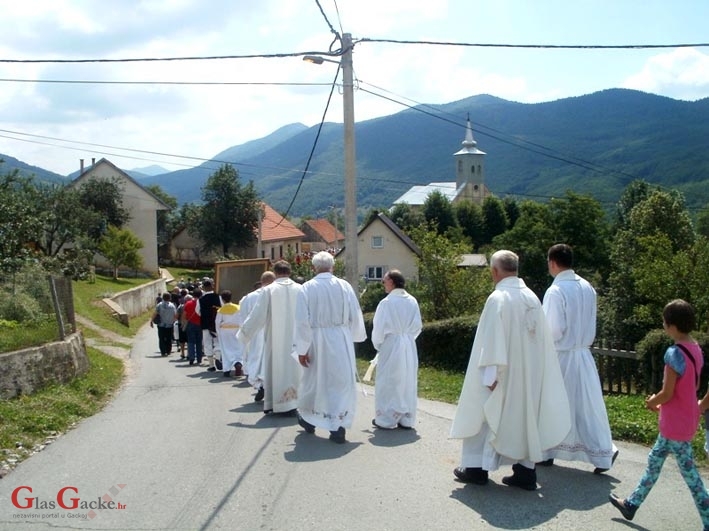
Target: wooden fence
620	372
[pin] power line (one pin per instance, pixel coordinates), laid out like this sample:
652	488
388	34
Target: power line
207	83
540	46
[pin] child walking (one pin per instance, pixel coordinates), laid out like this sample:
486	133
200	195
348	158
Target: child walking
679	414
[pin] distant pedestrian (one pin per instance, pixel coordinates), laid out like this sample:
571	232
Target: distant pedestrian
195	351
678	411
227	324
164	319
328	323
396	325
206	308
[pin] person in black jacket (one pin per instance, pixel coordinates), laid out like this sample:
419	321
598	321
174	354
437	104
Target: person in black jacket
207	307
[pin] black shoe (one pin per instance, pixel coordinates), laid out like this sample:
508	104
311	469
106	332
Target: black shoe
238	369
191	362
548	462
212	369
259	394
227	374
400	425
309	428
598	470
625	508
267	411
522	477
338	436
471	475
374	423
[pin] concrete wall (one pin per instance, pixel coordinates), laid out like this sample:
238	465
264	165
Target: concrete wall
141	298
28	370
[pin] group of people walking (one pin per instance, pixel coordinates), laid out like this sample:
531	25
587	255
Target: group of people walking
531	393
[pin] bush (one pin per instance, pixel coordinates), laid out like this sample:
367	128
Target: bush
442	344
651	351
20	307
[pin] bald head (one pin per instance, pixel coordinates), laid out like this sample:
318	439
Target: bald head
267	278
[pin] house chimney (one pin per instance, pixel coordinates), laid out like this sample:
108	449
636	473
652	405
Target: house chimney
93	161
81	166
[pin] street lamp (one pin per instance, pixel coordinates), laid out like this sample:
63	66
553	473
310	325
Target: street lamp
351	264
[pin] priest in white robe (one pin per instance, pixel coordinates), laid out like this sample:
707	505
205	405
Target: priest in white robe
329	322
253	346
274	312
513	405
570	308
396	325
227	323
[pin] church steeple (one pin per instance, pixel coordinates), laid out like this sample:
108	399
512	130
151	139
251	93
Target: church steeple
470	166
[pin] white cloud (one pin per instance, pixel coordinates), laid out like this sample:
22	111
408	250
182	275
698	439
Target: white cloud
682	74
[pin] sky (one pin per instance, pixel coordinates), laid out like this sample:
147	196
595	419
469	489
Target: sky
53	125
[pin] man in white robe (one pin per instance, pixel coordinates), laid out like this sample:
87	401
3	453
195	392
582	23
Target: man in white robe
328	323
253	347
396	325
570	308
227	322
513	405
274	312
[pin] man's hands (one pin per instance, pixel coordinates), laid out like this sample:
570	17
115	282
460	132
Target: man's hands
304	360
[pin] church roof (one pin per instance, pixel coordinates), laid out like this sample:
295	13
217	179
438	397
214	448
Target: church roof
469	143
417	194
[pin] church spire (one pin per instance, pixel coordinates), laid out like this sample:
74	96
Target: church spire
469	141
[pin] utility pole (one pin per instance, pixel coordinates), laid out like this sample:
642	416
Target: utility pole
351	264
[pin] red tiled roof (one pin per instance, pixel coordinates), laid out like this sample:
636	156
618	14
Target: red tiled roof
275	228
325	229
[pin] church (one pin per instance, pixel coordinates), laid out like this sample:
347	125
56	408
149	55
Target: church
469	177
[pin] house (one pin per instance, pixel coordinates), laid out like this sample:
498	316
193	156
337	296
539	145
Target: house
382	245
276	238
321	235
142	206
469	182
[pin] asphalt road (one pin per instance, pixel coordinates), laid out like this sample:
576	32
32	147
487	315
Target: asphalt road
182	448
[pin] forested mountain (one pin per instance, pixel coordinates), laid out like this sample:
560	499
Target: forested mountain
8	164
594	144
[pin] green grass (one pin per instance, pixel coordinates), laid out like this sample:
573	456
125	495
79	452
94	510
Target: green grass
627	416
87	303
15	336
28	420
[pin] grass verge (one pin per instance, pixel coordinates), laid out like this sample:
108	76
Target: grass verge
29	421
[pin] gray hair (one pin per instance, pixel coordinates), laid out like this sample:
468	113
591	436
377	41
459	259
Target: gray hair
323	261
506	261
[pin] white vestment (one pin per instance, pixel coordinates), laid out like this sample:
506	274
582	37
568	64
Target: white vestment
528	411
253	347
570	307
328	323
274	312
227	322
397	324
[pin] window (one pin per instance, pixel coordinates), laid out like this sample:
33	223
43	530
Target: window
377	242
376	272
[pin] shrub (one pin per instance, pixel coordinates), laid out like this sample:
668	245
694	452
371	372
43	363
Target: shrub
443	344
20	307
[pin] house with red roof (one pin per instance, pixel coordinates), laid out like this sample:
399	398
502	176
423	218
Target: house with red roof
276	238
321	235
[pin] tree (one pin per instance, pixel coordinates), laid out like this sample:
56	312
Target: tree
633	194
438	212
579	221
446	289
494	219
406	217
228	219
658	228
470	220
121	248
19	225
530	239
103	198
